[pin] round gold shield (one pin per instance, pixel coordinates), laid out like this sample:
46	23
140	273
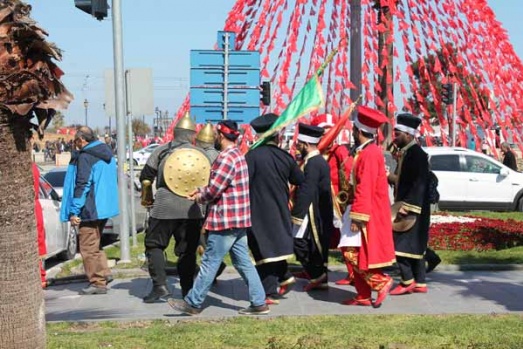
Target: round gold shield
185	170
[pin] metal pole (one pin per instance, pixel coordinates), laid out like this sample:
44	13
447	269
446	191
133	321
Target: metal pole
454	105
131	159
355	49
225	75
119	87
86	105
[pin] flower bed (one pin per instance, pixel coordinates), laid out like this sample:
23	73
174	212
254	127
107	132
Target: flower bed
472	233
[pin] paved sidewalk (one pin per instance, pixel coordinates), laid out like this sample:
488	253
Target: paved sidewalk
450	292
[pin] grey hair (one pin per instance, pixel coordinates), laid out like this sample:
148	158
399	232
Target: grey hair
85	133
505	145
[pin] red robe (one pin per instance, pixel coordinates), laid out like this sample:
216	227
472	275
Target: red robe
372	206
42	250
338	155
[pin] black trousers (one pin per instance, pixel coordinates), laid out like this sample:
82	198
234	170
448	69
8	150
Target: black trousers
411	269
186	234
272	274
313	260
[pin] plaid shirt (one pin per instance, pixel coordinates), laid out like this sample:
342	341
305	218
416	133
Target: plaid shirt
228	192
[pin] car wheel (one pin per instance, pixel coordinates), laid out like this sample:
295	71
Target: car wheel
519	207
72	245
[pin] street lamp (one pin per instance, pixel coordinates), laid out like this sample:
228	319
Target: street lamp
86	106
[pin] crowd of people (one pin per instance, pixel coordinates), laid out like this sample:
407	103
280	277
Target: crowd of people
267	205
264	207
51	148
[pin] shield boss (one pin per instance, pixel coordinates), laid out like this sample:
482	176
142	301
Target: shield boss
185	170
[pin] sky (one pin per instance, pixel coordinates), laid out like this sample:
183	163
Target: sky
157	34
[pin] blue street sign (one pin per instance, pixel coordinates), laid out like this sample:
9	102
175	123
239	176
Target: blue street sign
208	59
225	83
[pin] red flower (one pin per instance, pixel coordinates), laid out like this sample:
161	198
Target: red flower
481	235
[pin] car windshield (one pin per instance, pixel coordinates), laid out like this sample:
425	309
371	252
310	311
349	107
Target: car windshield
55	178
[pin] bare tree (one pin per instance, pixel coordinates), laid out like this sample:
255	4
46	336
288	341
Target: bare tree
29	87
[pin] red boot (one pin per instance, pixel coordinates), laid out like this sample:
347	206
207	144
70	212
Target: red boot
403	289
346	281
366	302
286	286
382	294
317	284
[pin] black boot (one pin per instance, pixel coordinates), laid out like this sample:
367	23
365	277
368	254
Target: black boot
432	260
156	293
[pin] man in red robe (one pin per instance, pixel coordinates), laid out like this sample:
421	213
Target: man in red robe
42	250
339	159
372	245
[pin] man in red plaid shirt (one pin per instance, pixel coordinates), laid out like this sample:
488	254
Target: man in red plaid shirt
229	216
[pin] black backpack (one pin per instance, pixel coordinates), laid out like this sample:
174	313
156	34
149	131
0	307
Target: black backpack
433	188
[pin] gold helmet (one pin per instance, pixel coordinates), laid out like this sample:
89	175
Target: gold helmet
206	134
186	123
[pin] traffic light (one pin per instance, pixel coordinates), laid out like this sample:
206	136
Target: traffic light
96	8
447	93
266	93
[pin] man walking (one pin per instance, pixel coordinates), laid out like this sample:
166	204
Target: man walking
371	246
509	159
172	214
228	218
340	162
90	197
312	214
411	188
271	169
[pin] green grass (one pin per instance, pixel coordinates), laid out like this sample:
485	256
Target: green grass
518	216
512	255
350	331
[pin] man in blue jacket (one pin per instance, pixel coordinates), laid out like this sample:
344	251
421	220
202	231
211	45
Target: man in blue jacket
90	197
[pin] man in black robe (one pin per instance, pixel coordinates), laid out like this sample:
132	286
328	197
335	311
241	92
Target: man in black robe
411	188
312	214
509	159
271	169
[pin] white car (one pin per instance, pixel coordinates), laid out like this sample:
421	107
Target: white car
469	180
141	156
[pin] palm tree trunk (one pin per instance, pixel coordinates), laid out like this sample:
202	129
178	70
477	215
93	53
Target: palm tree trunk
22	312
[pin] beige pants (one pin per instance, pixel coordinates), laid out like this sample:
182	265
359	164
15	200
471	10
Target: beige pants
94	258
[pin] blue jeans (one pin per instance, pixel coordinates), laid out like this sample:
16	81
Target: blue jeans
219	243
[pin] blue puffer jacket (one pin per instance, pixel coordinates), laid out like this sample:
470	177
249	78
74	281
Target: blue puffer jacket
91	186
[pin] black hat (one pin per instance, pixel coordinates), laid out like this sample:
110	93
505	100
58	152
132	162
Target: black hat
229	129
407	123
309	134
264	122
